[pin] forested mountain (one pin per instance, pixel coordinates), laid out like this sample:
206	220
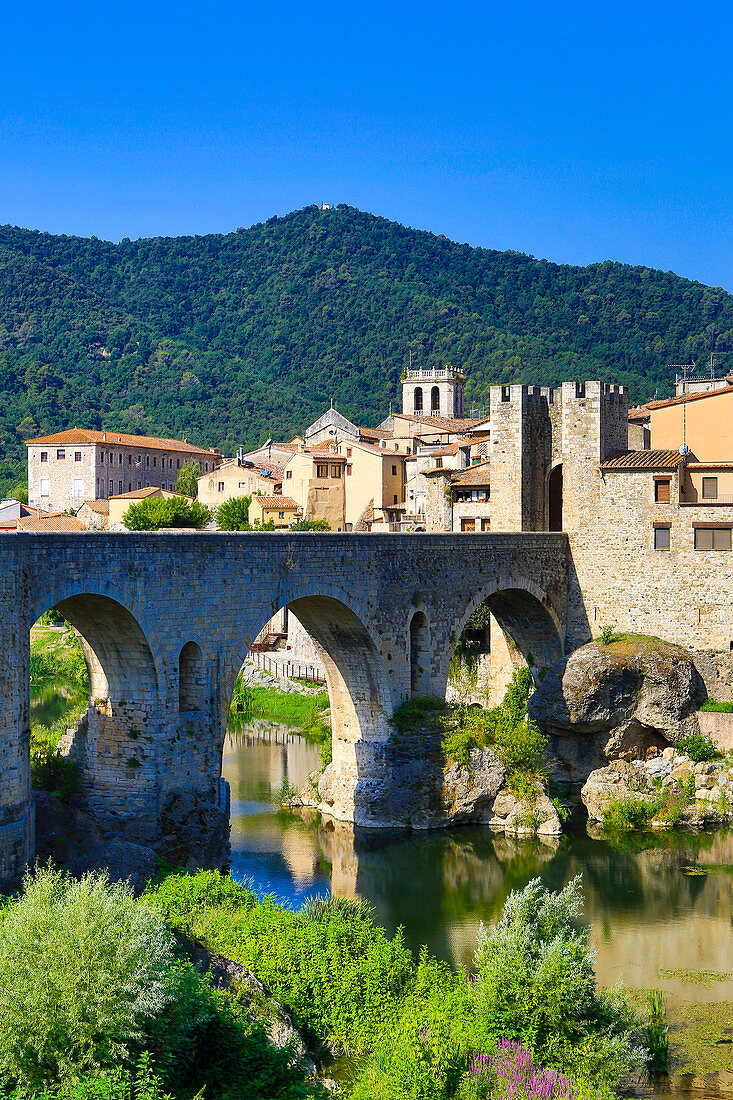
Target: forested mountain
228	338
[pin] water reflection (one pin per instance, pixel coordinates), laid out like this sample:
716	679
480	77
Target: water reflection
654	903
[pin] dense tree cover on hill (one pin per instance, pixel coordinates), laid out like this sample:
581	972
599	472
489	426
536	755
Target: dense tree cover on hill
226	339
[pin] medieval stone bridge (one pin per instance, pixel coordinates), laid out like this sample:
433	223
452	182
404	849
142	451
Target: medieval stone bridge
166	620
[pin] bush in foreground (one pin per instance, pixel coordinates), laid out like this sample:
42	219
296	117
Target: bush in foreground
82	970
155	513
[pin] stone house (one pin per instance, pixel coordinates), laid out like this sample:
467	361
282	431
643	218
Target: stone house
239	477
375	483
69	467
314	479
282	511
94	515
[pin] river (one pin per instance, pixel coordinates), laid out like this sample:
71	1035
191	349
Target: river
655	903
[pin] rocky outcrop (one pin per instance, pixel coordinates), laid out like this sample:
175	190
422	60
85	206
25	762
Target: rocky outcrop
678	790
617	702
420	792
227	974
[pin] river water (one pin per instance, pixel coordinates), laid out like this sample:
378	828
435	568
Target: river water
655	903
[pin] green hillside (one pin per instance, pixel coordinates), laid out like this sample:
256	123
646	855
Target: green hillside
228	338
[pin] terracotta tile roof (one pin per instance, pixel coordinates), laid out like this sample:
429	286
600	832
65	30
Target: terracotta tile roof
49	521
450	449
690	397
695	465
137	494
101	506
642	460
474	475
283	503
83	435
330	455
375	433
639	412
375	449
267	470
447	423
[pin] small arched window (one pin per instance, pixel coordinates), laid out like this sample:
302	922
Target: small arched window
435	400
191	678
417	399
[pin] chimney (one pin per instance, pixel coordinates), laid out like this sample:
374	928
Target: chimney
240	456
104	437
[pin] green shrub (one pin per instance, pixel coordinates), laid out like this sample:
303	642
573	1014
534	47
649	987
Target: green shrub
628	812
233	515
535	984
699	747
412	714
83	969
608	634
713	706
154	513
310	525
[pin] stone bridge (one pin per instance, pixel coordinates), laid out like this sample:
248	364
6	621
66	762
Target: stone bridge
166	620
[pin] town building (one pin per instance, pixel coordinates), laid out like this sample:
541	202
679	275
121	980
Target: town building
281	511
69	467
375	481
119	503
239	477
314	478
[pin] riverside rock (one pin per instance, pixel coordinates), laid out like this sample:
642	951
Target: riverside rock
631	698
619	780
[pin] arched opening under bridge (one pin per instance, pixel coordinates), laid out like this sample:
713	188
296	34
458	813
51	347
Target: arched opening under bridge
508	629
100	715
342	651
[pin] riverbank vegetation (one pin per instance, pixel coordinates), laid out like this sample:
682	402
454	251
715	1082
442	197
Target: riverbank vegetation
119	998
56	661
306	711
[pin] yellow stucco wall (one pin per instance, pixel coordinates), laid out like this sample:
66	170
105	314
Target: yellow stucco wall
708	429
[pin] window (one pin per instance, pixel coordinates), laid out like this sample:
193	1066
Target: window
121	488
288	475
435	400
505	393
44	456
661	538
394	471
468	525
281	515
335	471
220	485
122	460
178	463
712	538
111	488
417	400
206	467
77	456
709	488
321	469
439	464
129	460
348	452
78	488
486	523
45	486
155	460
139	484
394	499
661	492
241	485
129	486
138	459
147	460
349	469
60	454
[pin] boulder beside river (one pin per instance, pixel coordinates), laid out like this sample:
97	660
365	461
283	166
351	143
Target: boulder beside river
620	701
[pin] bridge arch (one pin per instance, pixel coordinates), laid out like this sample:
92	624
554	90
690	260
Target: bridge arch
113	744
358	685
525	617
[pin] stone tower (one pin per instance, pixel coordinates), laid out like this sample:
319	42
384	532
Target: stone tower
433	392
595	423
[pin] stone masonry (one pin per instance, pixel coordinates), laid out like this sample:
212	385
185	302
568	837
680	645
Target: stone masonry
166	621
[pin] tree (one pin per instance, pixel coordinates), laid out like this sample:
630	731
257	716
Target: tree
310	525
153	513
233	515
83	967
187	481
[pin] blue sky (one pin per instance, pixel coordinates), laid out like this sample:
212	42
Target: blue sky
571	131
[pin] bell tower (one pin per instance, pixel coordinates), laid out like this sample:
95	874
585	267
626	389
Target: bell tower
433	392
